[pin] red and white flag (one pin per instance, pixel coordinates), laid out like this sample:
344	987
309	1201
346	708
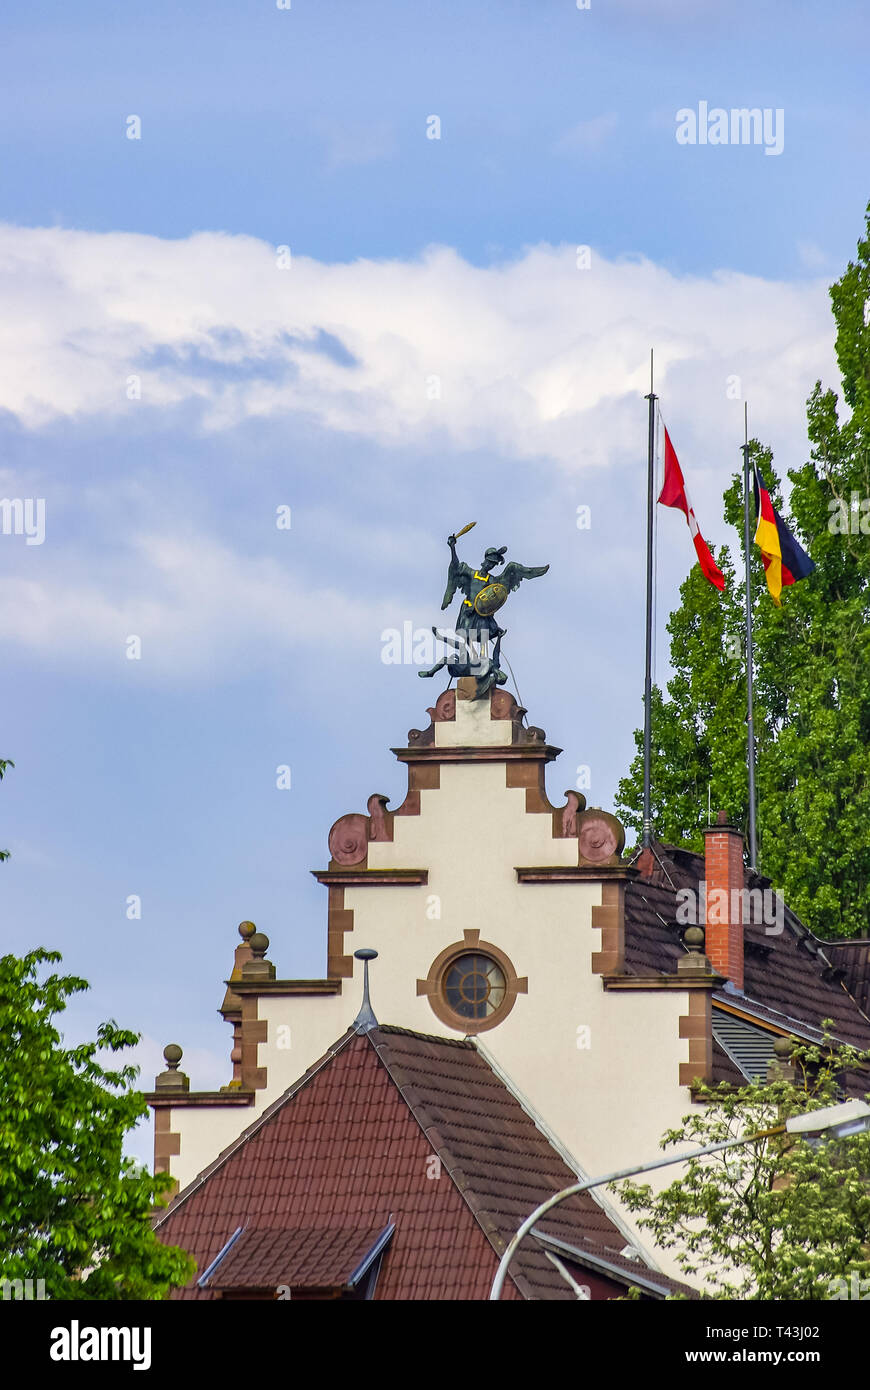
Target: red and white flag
674	494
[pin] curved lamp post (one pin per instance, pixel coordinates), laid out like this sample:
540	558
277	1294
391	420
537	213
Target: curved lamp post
834	1122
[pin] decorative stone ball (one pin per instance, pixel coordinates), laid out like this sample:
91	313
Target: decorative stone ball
694	938
259	944
782	1047
246	930
173	1054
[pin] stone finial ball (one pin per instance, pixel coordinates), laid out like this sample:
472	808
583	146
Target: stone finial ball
783	1046
259	943
246	930
173	1054
694	938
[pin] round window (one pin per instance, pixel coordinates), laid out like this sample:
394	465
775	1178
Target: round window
473	985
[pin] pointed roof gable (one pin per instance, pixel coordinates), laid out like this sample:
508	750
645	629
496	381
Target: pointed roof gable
395	1128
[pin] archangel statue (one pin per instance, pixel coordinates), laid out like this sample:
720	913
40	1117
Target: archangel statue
484	593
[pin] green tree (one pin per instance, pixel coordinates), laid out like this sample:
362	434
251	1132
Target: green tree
812	668
780	1218
74	1211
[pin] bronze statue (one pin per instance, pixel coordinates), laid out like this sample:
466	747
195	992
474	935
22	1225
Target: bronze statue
484	593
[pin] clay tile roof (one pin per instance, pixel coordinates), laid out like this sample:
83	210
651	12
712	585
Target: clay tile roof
395	1127
301	1257
792	979
851	959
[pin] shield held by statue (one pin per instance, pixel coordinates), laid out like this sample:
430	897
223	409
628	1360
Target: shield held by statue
490	599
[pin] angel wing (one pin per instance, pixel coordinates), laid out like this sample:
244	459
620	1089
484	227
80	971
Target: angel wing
455	576
513	574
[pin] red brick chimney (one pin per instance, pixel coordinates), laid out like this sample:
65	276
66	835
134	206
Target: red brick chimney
723	872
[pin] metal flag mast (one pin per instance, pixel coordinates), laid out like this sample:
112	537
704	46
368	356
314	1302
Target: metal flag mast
647	685
750	725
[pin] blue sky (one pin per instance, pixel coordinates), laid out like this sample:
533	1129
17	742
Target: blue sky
305	124
412	261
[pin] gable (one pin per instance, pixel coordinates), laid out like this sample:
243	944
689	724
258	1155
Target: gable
404	1148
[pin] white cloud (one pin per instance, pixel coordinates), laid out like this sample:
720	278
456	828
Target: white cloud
534	357
196	606
538	361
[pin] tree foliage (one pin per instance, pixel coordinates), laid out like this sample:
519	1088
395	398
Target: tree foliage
779	1218
74	1211
812	667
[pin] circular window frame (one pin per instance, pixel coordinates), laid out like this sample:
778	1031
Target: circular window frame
434	986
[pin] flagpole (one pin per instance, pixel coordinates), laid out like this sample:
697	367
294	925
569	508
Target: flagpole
647	687
750	725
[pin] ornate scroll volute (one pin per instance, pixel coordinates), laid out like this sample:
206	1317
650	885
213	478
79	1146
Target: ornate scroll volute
349	840
442	712
380	819
502	704
350	835
600	838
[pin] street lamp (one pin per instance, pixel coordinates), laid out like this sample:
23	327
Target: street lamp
835	1122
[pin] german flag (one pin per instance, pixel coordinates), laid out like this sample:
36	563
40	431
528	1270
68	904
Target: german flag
785	561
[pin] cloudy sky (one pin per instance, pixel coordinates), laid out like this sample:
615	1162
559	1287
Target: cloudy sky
240	276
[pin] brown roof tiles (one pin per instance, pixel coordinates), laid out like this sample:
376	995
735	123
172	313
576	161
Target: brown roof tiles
301	1258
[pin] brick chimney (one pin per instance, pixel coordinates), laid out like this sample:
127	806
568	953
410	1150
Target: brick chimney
723	872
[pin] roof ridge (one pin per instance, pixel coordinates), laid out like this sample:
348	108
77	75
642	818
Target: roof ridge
448	1159
465	1042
